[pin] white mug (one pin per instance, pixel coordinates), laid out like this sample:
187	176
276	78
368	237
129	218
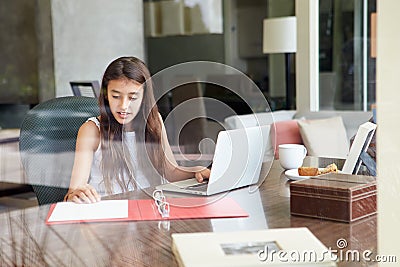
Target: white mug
291	156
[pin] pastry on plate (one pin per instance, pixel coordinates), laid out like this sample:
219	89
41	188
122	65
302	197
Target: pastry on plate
328	169
312	171
307	171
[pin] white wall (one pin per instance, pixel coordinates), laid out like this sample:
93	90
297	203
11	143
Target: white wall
88	34
388	131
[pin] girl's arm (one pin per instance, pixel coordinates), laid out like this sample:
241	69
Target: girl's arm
173	171
86	144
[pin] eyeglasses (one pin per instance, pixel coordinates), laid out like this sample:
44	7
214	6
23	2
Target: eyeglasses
161	203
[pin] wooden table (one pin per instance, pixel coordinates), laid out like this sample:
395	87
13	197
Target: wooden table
26	240
9	136
10	165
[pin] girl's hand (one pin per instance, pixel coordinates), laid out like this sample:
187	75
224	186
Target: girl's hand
202	175
83	194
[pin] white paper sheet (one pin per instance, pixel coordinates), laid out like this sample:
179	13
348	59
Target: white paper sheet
105	209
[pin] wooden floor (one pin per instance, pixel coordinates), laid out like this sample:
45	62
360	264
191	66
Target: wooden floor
11	171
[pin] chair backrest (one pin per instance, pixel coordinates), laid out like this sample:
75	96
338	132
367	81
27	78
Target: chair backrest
47	144
85	88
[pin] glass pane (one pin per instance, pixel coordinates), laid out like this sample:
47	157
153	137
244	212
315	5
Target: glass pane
347	70
186	17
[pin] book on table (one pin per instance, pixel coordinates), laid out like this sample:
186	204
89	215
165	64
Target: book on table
272	247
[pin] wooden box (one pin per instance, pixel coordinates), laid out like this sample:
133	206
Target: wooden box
334	196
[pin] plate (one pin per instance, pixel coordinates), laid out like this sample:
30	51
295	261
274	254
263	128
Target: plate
293	174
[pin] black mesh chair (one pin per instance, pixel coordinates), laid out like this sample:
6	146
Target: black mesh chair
47	144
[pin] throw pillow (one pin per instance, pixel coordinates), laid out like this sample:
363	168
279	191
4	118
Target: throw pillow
325	137
285	132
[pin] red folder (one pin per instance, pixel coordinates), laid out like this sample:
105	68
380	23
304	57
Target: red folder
180	208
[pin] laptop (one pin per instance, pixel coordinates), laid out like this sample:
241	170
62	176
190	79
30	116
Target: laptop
237	163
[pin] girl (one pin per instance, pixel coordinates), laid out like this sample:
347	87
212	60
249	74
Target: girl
127	144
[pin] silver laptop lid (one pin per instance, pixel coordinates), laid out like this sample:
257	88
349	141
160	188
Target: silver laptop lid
238	158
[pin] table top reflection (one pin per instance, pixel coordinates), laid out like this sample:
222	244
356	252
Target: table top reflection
25	239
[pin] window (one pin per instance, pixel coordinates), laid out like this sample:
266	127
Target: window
347	69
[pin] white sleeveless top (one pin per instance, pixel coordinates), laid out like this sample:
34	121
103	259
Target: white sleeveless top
96	176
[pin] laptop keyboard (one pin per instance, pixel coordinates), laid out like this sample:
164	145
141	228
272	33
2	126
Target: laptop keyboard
198	187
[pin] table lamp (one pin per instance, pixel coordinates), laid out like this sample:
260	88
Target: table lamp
279	36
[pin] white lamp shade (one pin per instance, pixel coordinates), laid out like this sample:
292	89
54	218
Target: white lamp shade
279	35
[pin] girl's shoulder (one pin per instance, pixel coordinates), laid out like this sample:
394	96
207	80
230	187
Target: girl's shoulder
95	120
90	133
91	127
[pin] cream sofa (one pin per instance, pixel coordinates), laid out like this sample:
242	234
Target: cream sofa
351	121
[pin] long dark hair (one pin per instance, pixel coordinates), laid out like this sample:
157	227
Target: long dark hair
116	161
